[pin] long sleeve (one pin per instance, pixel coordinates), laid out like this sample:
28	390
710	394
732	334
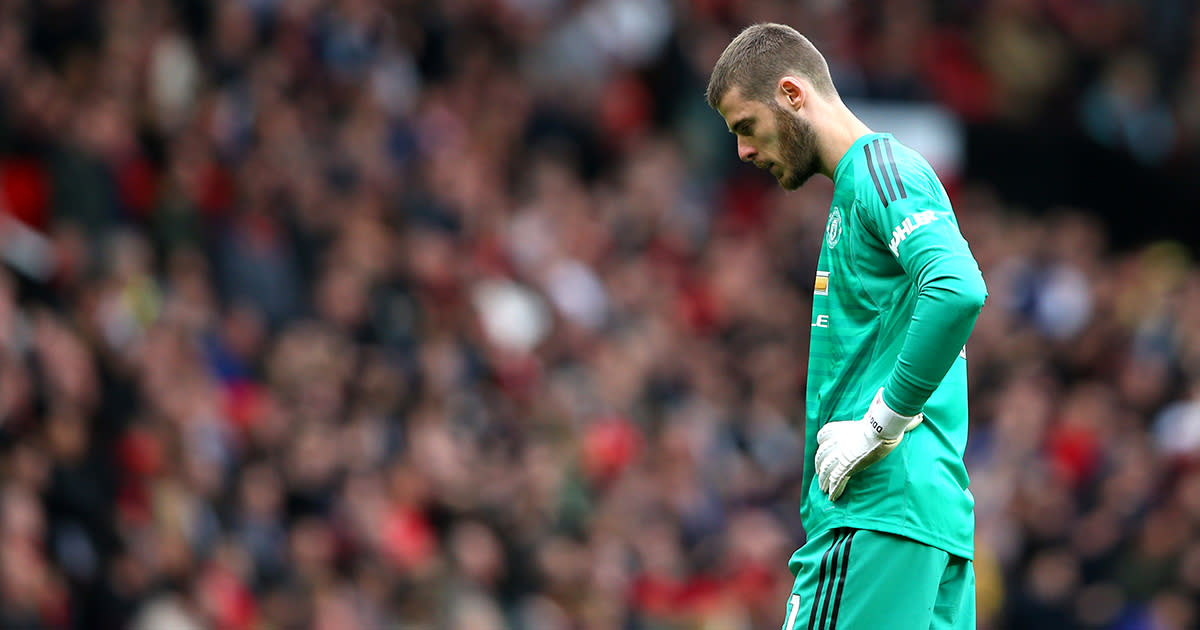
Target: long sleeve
950	296
923	235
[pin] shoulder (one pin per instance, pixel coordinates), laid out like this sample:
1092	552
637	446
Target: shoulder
890	172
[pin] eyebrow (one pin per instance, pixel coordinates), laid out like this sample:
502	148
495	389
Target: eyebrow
740	123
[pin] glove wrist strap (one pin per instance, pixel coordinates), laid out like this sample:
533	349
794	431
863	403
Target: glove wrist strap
885	423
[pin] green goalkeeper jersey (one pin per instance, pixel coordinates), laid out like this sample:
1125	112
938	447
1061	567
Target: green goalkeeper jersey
897	292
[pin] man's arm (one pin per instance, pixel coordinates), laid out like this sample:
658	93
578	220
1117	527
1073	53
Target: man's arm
922	233
950	294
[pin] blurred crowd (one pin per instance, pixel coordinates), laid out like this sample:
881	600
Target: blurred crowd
372	314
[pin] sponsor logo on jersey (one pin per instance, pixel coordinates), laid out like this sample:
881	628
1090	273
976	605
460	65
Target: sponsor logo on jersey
908	226
833	229
821	286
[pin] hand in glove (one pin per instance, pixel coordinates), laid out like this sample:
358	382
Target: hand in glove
844	448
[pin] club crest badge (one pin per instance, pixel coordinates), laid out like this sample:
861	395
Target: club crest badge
833	229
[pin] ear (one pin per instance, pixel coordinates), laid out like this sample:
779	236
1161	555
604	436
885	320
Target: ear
792	92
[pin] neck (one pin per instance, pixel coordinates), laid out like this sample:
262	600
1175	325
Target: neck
838	135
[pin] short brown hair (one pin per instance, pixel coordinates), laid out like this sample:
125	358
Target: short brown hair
755	60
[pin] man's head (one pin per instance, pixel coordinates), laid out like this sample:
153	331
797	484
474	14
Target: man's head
765	85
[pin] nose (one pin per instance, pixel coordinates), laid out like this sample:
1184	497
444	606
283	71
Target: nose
746	152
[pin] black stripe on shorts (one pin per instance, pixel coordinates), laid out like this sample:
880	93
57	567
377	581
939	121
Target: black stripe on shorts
825	591
837	598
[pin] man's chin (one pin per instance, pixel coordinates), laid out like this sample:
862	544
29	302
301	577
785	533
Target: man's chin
791	181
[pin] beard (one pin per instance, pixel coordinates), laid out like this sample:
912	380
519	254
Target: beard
797	148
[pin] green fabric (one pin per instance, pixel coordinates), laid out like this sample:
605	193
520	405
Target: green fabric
860	579
897	293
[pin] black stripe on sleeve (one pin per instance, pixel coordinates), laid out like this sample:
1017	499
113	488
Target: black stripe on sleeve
887	180
812	615
874	177
895	172
837	598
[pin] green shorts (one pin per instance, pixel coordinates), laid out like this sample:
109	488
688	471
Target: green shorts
858	579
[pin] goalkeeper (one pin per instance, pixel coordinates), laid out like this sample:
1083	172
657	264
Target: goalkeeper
889	518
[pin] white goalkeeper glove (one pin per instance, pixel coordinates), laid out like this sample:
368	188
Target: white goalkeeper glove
846	447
